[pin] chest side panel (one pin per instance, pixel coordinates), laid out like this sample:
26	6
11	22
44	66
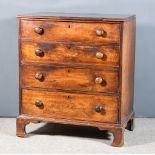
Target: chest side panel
128	58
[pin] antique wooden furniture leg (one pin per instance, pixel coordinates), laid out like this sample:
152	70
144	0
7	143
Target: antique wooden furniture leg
20	126
118	136
21	123
131	124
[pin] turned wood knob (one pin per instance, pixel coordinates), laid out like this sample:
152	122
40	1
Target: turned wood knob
100	32
39	52
99	55
39	76
38	30
98	80
38	103
98	108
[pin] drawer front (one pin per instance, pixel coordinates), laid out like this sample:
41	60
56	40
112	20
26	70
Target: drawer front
68	78
63	31
69	53
70	106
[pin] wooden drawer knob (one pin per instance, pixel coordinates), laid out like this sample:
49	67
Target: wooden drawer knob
98	80
38	103
100	32
39	76
39	52
38	30
99	55
98	108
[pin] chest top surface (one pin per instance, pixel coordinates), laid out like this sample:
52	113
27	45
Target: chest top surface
84	16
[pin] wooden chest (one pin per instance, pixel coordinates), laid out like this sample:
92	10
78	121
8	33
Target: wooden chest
77	69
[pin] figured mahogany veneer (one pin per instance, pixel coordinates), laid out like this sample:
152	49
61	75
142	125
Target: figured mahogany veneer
77	69
69	53
69	78
70	31
70	106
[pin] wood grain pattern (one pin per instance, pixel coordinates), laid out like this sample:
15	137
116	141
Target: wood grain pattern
128	59
69	78
58	31
69	53
73	106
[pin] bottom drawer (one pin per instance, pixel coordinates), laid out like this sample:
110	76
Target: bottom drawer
70	106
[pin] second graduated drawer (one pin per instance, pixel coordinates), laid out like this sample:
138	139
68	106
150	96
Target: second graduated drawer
45	52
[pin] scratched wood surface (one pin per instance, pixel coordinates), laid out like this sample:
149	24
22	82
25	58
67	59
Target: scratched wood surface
58	31
69	78
72	106
69	53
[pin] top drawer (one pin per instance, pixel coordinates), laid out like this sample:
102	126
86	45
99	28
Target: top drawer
71	31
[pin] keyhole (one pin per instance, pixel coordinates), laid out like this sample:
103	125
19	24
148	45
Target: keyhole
69	46
69	26
68	70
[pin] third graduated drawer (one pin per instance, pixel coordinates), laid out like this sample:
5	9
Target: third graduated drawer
50	52
70	78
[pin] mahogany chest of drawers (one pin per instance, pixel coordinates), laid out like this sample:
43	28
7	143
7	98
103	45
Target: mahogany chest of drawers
77	69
